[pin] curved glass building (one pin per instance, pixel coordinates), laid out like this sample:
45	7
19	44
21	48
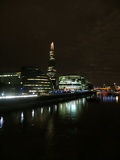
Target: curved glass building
35	81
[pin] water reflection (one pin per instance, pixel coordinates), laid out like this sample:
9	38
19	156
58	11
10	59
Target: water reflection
1	122
22	117
72	108
62	130
39	116
109	98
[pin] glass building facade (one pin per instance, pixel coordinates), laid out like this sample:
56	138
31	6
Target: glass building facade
35	81
72	82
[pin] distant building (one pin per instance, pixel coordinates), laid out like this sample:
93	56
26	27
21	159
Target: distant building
73	82
12	78
51	71
10	82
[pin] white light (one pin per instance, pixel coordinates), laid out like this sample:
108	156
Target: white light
73	107
41	110
22	96
1	122
22	117
33	113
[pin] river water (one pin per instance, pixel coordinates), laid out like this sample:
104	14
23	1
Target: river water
73	130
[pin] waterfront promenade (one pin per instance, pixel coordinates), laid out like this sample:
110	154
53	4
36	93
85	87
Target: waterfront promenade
20	102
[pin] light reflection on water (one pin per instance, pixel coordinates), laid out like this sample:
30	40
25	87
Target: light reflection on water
71	109
38	116
109	98
1	122
68	128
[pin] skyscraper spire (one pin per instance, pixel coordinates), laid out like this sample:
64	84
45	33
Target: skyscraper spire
52	46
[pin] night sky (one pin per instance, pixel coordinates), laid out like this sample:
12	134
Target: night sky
86	34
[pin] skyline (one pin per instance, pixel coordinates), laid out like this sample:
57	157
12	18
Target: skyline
86	35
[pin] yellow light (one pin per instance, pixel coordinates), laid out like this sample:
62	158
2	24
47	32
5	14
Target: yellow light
117	99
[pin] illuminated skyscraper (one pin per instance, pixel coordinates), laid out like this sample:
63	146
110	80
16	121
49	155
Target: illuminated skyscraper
51	72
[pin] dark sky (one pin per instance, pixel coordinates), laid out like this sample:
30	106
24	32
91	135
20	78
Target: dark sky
86	34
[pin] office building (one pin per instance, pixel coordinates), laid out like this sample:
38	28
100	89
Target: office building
73	82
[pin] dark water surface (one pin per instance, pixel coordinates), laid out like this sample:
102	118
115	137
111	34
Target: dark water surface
73	130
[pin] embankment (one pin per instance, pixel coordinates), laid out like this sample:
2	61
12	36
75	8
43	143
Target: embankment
22	103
